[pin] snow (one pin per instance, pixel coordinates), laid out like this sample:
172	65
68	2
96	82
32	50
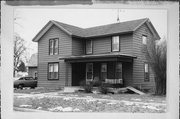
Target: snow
150	107
25	105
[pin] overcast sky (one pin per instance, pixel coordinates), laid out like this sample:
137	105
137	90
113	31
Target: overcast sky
29	21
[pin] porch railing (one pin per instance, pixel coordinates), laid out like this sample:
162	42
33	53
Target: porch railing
114	81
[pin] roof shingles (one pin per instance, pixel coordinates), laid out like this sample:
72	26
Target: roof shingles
121	27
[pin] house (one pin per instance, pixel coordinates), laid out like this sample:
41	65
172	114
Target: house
68	54
32	66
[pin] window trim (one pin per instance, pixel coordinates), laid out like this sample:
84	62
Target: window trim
112	44
142	39
91	47
53	39
146	80
48	71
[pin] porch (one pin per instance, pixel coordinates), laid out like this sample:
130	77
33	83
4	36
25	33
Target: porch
111	68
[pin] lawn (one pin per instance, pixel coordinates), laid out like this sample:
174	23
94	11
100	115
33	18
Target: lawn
57	101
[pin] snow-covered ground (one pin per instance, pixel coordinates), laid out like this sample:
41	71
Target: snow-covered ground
75	103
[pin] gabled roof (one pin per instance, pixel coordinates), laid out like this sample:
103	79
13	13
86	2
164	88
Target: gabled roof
104	30
33	61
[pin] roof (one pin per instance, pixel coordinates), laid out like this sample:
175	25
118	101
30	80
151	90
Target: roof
33	61
96	57
104	30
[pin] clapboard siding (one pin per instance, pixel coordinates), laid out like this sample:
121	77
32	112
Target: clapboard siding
65	48
78	46
138	64
103	45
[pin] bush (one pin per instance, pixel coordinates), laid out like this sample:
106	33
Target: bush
96	83
104	88
86	86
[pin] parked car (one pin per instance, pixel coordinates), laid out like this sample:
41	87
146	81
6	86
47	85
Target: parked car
25	82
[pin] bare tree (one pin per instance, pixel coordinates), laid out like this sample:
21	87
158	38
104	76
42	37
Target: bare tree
156	54
19	50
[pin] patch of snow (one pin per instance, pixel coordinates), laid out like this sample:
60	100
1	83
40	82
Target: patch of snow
150	107
68	109
67	98
151	100
25	106
39	108
56	109
128	102
89	97
76	110
111	103
136	99
90	100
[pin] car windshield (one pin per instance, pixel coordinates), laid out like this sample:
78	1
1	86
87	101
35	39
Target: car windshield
29	78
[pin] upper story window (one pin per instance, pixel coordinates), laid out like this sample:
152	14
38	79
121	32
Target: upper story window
53	46
146	72
115	43
53	71
144	39
89	46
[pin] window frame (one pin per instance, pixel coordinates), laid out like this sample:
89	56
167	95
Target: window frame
53	71
146	79
87	53
143	40
112	44
53	42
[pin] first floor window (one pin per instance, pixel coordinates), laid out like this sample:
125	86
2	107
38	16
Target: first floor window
146	72
115	43
53	70
119	70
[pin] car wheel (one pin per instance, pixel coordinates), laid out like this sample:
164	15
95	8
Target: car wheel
20	86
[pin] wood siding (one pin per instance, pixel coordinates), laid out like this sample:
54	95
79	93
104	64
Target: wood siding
138	64
65	48
78	46
103	45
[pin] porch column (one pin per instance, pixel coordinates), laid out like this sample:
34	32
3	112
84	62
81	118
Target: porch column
68	74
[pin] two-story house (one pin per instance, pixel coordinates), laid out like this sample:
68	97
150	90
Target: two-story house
68	54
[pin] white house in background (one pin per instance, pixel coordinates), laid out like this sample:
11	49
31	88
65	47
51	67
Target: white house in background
32	66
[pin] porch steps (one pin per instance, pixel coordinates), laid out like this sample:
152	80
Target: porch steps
135	90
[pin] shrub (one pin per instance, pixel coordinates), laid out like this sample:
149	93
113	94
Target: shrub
96	83
86	86
104	88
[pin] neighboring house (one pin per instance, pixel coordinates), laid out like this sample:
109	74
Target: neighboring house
32	66
68	54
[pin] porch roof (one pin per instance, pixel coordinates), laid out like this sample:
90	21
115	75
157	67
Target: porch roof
99	58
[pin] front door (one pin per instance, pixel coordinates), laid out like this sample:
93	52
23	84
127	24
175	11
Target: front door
103	71
89	72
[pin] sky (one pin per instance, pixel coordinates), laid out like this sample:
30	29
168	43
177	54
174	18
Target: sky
29	21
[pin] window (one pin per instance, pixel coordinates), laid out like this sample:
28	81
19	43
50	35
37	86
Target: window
146	72
119	70
53	46
103	67
89	71
144	39
88	46
53	70
115	43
